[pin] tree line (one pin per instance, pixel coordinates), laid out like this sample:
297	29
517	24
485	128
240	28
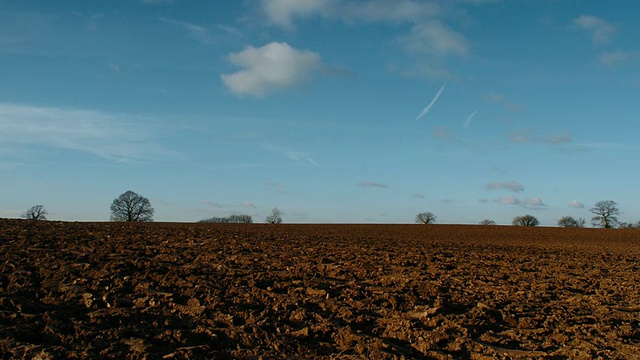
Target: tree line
133	207
606	216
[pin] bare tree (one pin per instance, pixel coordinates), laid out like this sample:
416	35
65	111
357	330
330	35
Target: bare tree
275	217
525	220
425	218
487	222
569	222
37	212
606	214
131	207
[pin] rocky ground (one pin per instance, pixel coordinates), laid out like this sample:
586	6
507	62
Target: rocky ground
176	291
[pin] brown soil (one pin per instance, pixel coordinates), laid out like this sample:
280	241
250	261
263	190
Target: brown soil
175	291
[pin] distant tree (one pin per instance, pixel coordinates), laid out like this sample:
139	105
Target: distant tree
240	219
131	207
425	218
606	212
487	222
626	225
233	219
569	222
275	217
37	212
525	220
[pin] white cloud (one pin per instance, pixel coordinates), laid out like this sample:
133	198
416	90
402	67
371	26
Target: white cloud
576	204
509	185
530	203
273	67
114	137
601	30
434	39
282	13
371	184
535	202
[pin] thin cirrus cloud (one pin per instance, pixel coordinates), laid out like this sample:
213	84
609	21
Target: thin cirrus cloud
197	32
270	68
508	185
426	110
601	31
525	136
109	136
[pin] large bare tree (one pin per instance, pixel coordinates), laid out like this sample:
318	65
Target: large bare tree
606	214
425	218
37	212
131	207
525	220
275	217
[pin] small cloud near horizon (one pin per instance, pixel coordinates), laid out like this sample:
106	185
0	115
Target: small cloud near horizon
530	203
576	204
508	185
372	184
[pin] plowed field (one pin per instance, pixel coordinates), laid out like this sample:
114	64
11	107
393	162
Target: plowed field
175	291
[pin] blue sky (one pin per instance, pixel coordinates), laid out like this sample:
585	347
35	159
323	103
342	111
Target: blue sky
364	111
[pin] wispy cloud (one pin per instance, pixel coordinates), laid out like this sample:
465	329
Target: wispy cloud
618	57
291	154
508	185
372	184
433	102
283	13
110	136
576	204
197	32
501	99
467	122
418	196
524	136
275	66
601	31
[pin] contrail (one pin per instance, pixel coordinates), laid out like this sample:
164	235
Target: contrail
468	121
433	102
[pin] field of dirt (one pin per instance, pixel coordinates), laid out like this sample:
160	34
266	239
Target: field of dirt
207	291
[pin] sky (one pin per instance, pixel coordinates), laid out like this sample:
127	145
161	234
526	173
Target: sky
334	111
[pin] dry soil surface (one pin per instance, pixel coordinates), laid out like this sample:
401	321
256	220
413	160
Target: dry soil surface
175	291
